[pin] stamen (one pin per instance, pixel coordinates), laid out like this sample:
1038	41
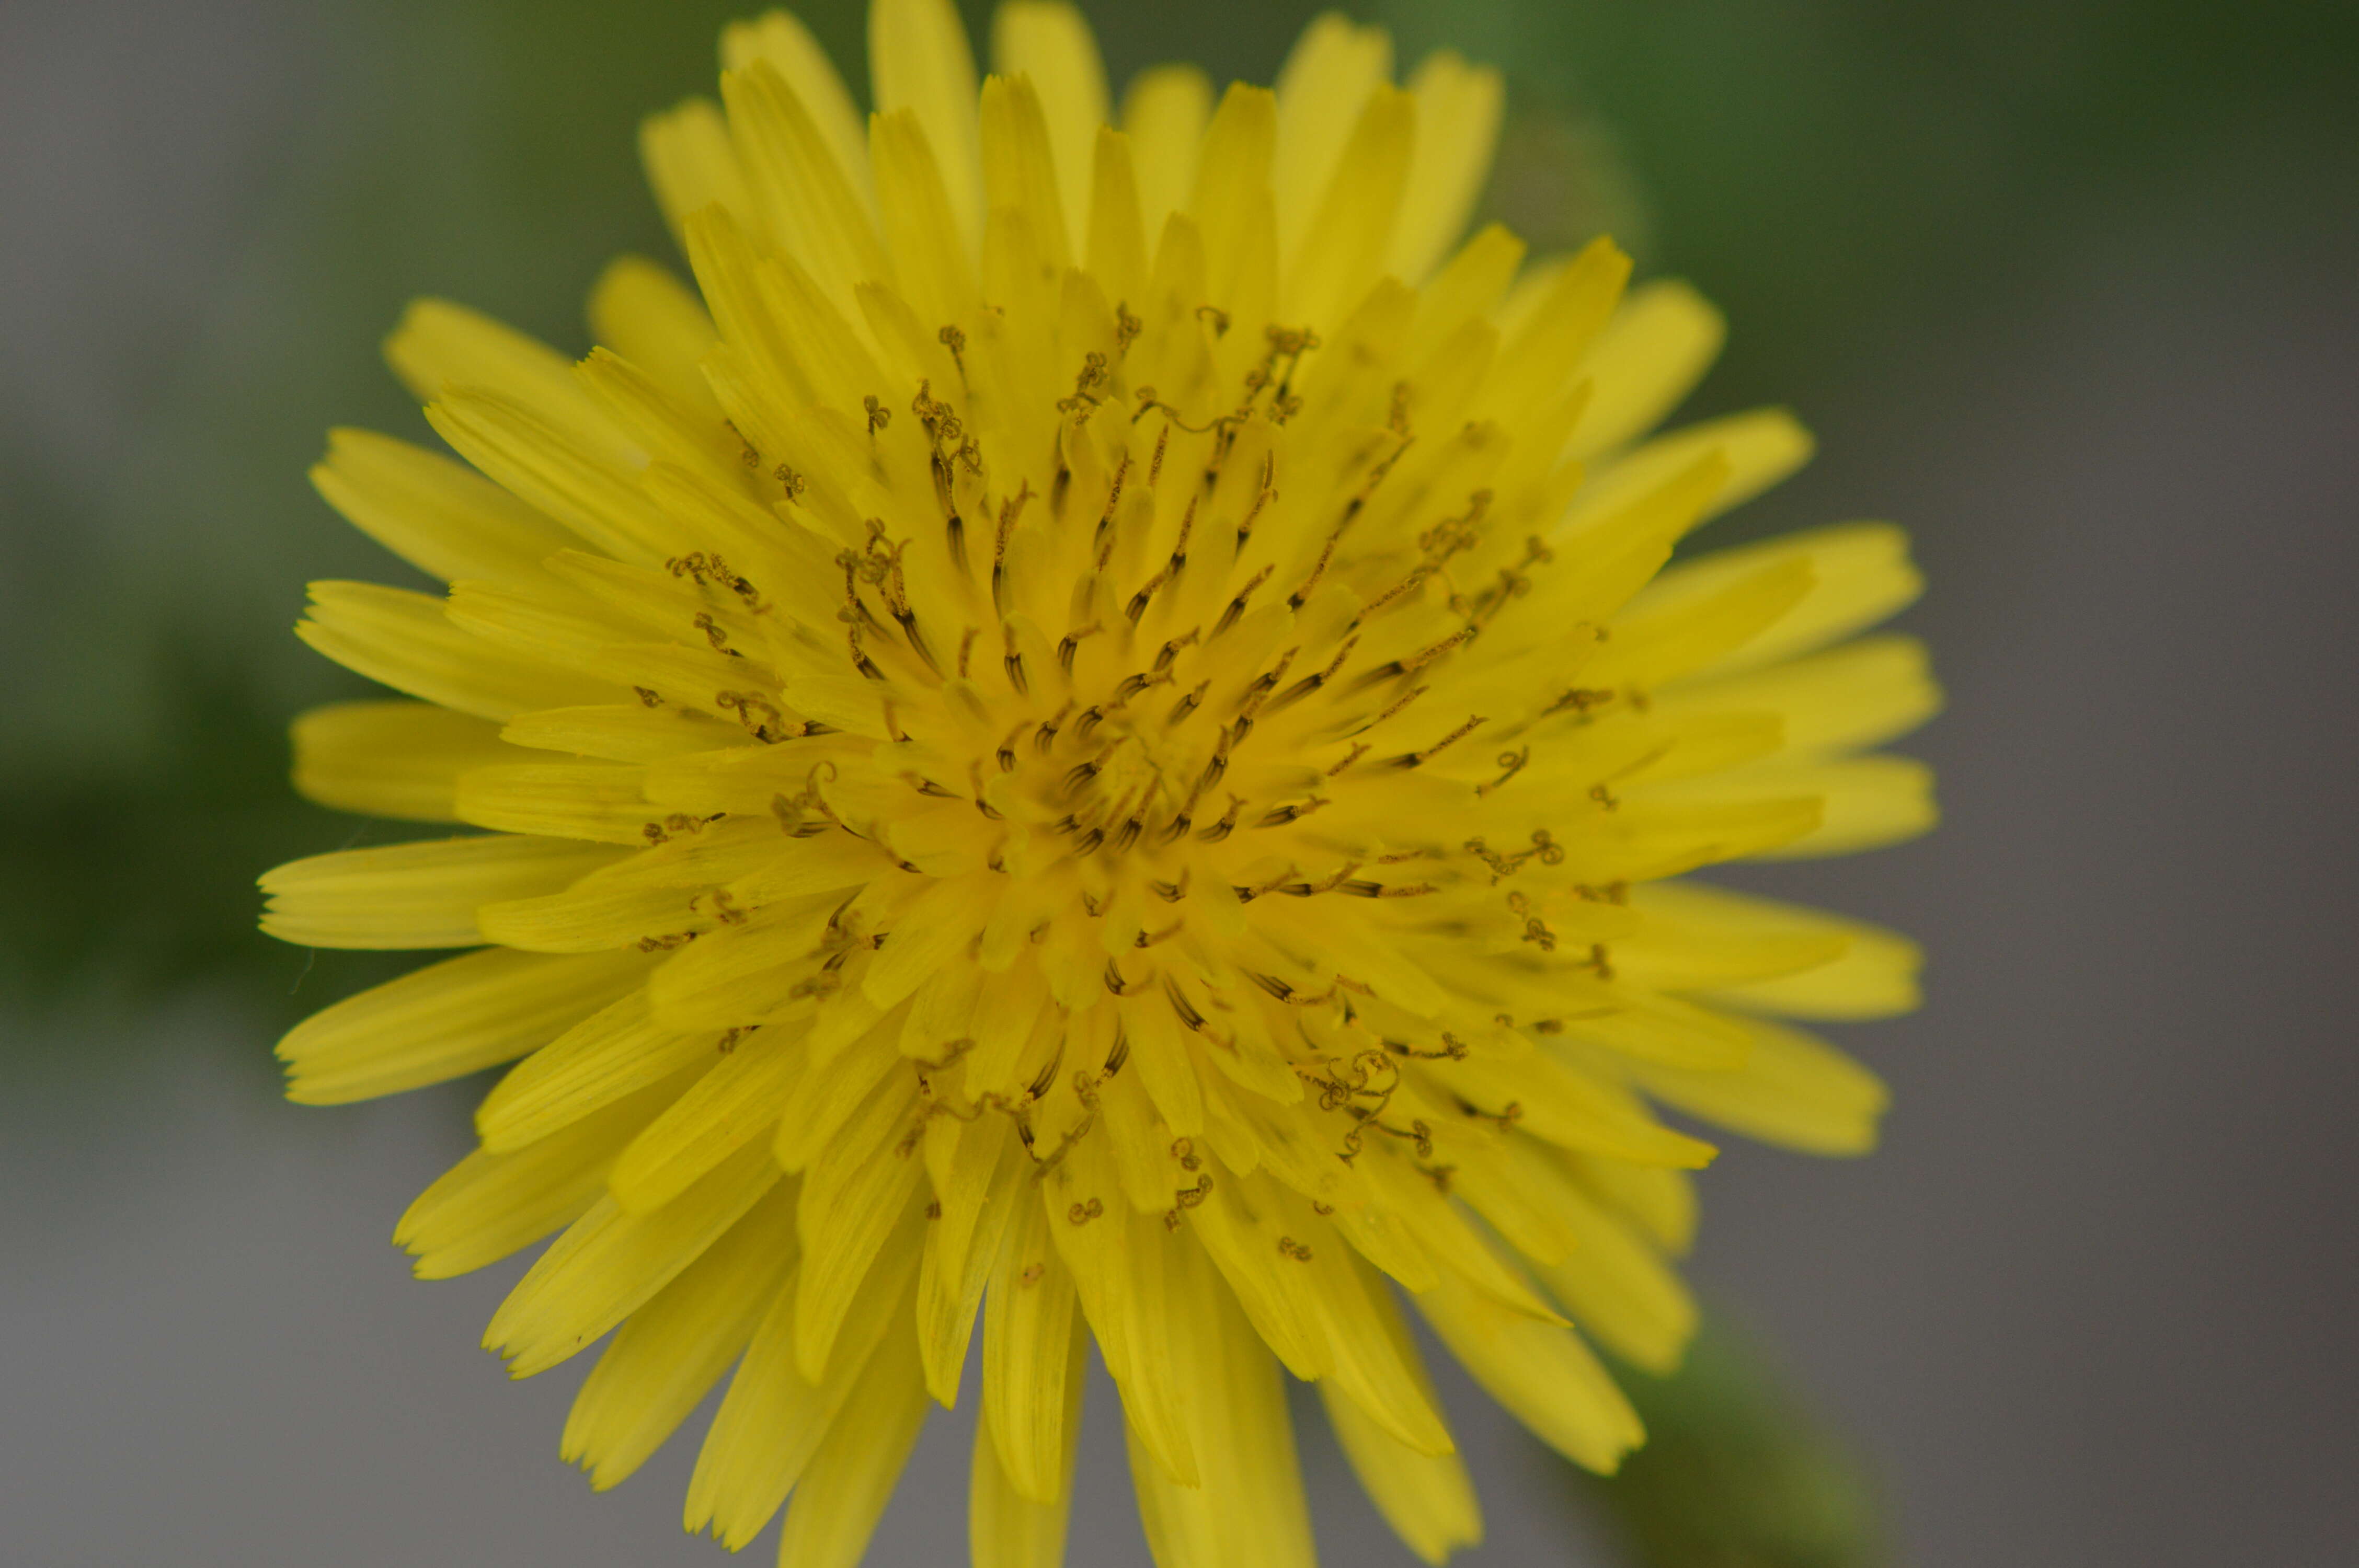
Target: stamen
1012	660
1368	490
1267	493
1294	600
1114	498
1009	511
1238	605
1170	651
1187	704
1226	824
1312	682
1073	639
1138	602
1418	758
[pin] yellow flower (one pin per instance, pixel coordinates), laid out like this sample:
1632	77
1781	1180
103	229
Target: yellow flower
1092	731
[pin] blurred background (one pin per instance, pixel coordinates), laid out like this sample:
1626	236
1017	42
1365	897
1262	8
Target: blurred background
2067	287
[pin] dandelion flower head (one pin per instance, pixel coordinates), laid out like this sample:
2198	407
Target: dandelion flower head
1089	736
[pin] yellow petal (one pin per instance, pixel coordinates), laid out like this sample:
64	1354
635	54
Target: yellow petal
1427	1497
919	59
540	455
405	641
1859	694
414	895
814	203
608	1263
1650	357
1019	170
1164	113
602	802
1341	255
1760	449
645	313
1458	111
1534	361
1050	42
1655	644
1872	974
669	1353
1249	1505
1794	1090
1866	803
1375	1363
691	163
1619	1289
391	759
734	1104
1005	1528
779	39
1234	207
446	1021
932	250
978	1196
440	346
1032	1374
1659	1201
596	916
494	1202
613	1052
854	1198
771	1422
1545	1375
1128	1271
1321	89
840	1499
1861	574
431	512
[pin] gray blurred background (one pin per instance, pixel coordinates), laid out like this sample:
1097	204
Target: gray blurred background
2067	287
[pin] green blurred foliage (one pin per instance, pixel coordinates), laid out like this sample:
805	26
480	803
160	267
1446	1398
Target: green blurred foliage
1833	171
1737	1471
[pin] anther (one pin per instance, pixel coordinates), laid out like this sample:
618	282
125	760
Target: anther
1226	824
1418	758
1012	660
1114	498
1267	493
1236	609
1140	601
1071	641
1294	600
